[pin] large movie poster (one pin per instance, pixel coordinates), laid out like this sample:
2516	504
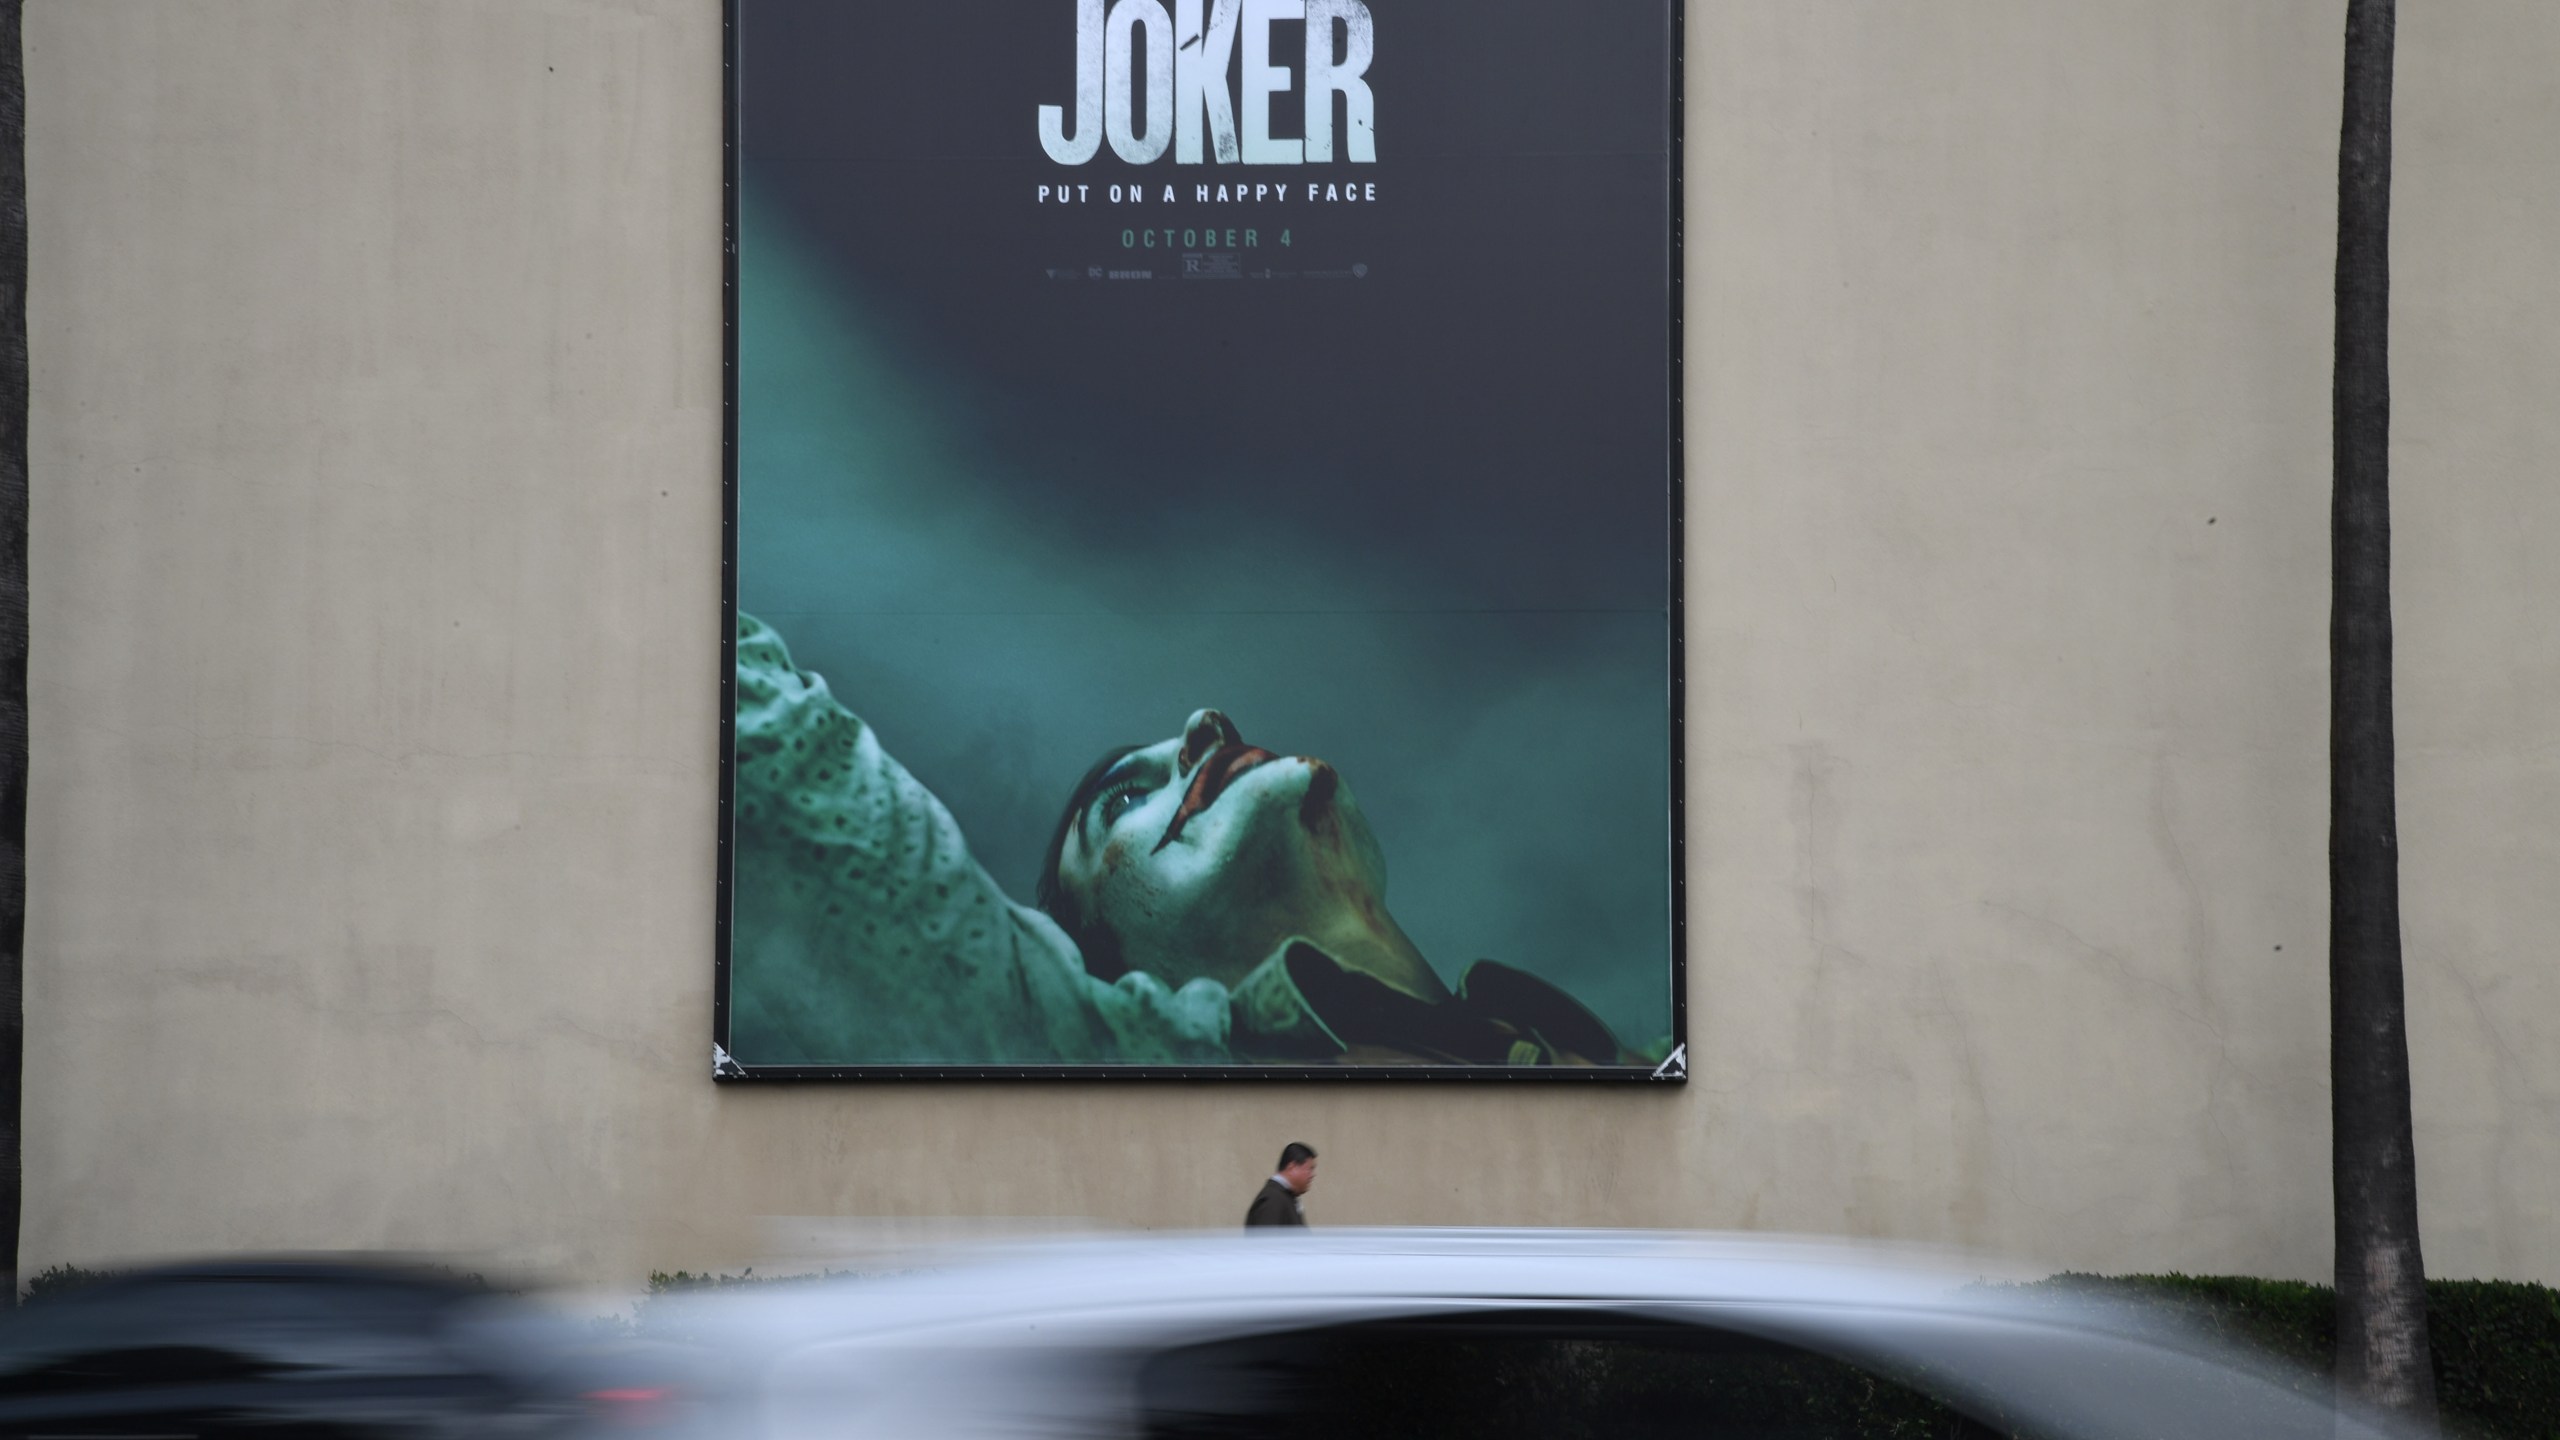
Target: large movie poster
1204	528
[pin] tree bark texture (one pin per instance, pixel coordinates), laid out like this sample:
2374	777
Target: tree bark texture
13	623
2382	1316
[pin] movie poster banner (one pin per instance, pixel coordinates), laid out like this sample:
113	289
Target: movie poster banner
1203	536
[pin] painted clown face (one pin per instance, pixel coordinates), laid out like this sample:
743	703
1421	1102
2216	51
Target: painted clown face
1199	855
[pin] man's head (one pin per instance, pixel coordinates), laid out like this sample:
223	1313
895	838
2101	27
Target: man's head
1298	1167
1198	855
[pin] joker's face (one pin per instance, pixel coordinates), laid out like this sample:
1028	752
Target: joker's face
1200	854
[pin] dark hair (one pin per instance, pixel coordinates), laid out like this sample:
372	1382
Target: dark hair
1094	940
1296	1153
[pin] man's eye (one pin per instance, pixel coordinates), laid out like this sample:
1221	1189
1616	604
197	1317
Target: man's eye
1117	803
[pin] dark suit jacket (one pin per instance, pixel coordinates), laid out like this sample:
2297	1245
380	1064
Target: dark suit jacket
1274	1206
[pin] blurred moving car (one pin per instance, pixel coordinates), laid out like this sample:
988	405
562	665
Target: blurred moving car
1336	1335
310	1348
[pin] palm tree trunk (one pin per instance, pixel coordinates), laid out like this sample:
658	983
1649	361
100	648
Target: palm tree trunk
2382	1316
13	622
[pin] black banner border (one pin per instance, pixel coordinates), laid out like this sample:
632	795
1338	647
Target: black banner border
726	1070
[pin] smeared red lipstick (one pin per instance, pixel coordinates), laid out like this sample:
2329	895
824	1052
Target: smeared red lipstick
1210	781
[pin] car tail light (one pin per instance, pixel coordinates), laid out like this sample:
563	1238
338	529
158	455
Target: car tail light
633	1405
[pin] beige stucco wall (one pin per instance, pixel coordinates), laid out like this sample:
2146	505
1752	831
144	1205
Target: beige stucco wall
375	526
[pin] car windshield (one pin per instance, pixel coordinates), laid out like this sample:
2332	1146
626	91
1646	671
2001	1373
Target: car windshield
197	1330
1716	1373
1536	1376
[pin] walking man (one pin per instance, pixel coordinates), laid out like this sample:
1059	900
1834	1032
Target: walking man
1278	1202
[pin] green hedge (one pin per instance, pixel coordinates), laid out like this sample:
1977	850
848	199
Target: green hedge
2496	1342
56	1280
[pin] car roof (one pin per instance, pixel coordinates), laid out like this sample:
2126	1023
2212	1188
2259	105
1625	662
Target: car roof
2125	1372
1356	1270
960	1319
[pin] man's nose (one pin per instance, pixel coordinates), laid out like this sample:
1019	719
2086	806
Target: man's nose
1204	733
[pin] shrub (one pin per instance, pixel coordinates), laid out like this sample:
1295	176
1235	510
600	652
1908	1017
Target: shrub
2496	1342
660	1322
56	1281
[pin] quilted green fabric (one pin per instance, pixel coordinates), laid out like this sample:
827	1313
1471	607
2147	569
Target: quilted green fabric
863	931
